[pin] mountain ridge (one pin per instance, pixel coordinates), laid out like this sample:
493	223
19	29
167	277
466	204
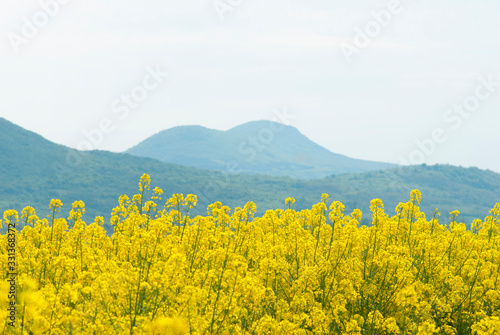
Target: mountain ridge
28	178
256	147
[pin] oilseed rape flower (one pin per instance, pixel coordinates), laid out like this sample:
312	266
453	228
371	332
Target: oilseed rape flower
10	216
55	204
289	202
311	271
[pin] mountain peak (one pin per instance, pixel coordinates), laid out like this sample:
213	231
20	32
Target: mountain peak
256	147
263	126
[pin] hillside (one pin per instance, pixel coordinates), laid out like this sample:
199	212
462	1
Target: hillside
259	147
470	190
34	170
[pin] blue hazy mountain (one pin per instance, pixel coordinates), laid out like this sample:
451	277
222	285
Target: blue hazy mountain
258	147
34	170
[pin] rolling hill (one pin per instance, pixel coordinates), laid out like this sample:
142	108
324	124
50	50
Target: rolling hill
258	147
34	170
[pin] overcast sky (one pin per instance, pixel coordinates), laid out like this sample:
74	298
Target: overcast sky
394	81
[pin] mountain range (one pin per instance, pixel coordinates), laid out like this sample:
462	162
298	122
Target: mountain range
34	170
258	147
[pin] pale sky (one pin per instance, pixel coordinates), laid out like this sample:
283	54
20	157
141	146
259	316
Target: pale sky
367	79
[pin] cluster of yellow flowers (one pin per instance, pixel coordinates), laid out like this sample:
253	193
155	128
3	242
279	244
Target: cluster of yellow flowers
314	271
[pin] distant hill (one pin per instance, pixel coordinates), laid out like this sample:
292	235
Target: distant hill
259	147
34	170
472	191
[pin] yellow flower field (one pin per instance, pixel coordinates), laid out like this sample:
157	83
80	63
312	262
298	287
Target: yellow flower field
314	271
